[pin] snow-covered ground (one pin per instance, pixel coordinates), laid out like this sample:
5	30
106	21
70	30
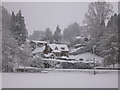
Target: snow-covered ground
60	80
0	80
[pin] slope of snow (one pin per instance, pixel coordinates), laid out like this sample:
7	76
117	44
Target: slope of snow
87	56
75	50
0	80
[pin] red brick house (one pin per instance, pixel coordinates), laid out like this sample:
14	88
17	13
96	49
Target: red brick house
58	49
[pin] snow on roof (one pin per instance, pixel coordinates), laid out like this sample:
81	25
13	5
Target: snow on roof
59	47
57	51
64	57
37	50
27	40
49	54
39	41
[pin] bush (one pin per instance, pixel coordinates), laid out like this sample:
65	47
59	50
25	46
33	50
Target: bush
82	66
66	65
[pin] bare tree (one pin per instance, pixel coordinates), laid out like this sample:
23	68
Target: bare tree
98	13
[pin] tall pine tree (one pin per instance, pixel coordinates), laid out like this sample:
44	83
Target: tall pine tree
109	42
57	35
18	28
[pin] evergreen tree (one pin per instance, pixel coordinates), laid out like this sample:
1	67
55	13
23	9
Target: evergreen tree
18	28
109	42
36	35
71	31
9	45
48	36
12	54
57	35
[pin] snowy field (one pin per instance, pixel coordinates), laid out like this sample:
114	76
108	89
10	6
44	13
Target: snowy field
60	80
0	80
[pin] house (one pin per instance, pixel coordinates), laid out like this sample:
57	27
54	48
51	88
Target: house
34	44
51	51
50	55
58	49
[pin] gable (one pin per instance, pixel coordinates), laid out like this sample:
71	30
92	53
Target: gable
59	47
56	48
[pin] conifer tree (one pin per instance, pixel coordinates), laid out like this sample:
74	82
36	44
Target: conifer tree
57	35
18	28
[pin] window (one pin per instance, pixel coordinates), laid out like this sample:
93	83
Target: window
39	44
80	59
62	48
56	48
48	49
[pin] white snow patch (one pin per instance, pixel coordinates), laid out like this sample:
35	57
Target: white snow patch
75	50
0	80
87	56
59	80
40	49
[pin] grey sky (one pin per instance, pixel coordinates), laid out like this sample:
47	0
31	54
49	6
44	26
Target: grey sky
39	15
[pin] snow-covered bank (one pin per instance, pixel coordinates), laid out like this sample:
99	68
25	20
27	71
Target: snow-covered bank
89	71
59	80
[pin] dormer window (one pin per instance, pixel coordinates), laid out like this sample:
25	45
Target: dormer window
56	48
62	48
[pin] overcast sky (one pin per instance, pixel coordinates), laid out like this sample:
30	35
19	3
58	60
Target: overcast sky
39	15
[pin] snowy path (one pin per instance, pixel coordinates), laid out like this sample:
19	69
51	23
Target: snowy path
60	80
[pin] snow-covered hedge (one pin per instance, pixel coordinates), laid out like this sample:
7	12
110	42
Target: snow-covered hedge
67	65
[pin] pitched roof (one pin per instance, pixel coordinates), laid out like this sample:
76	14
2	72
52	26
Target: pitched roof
57	51
79	37
40	49
60	47
39	41
49	54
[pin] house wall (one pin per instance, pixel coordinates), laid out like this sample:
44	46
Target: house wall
57	54
64	53
47	49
